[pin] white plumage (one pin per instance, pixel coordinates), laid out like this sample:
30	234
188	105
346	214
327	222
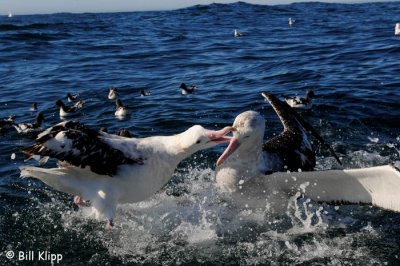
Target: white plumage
113	93
66	111
243	174
301	102
108	169
236	33
25	128
120	109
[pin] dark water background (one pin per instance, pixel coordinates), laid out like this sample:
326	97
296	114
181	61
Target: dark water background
347	53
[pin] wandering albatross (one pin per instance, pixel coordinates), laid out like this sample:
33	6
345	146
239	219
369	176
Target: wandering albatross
285	163
105	169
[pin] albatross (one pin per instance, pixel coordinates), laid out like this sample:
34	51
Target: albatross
104	169
286	162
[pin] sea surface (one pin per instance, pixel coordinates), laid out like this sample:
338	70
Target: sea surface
347	53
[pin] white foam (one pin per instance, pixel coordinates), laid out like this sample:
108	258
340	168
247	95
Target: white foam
202	225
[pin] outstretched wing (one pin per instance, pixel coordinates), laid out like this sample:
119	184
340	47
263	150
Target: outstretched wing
80	146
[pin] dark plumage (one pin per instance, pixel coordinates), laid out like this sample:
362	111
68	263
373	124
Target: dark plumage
71	97
300	102
29	127
80	146
292	145
69	110
144	93
186	90
6	122
124	133
33	107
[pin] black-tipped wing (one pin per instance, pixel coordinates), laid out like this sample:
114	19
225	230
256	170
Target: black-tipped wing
80	146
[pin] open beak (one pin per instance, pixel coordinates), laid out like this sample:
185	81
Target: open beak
220	135
233	145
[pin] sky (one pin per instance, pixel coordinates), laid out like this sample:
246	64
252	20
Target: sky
79	6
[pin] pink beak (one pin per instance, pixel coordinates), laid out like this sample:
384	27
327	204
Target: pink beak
219	136
233	145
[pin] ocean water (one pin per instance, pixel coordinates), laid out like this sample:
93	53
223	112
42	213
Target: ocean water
347	53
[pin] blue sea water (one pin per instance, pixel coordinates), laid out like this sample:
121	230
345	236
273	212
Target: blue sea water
347	53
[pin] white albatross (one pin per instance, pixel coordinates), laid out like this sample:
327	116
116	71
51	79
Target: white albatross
242	168
104	169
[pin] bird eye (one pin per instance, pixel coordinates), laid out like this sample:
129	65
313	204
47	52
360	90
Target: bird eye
198	142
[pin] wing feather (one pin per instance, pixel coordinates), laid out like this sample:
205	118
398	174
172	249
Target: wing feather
80	146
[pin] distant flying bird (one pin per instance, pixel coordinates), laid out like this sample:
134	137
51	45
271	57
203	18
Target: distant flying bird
185	90
291	21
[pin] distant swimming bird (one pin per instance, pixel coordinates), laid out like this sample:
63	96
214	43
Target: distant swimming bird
124	133
10	15
236	33
71	97
106	169
30	127
144	93
6	122
33	107
69	110
291	21
300	102
113	93
120	110
397	29
185	90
